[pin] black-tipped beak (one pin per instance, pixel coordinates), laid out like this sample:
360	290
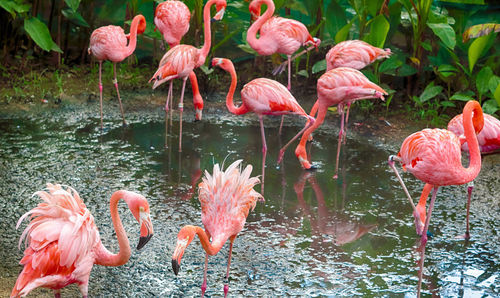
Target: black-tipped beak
175	266
213	20
143	241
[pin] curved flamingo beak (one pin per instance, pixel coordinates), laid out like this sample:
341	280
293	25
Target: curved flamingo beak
146	229
219	15
177	256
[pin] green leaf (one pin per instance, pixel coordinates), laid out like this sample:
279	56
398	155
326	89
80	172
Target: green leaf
497	95
430	92
477	49
390	64
445	32
344	32
490	106
12	7
480	30
206	70
463	96
336	18
493	83
319	66
73	4
74	16
483	80
446	103
303	73
426	45
40	34
247	48
447	70
406	70
378	31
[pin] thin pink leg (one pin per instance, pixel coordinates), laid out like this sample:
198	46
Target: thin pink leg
204	284
289	86
423	240
100	89
181	109
264	152
226	282
115	81
169	99
281	124
310	122
470	187
346	121
57	293
341	132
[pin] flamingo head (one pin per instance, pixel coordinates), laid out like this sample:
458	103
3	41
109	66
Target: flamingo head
184	238
142	23
223	63
220	7
254	9
139	207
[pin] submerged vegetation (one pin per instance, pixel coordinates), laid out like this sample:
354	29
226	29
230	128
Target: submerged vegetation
444	52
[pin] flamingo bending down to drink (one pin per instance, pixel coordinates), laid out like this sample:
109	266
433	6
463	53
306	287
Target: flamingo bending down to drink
338	86
226	197
263	97
110	43
172	20
63	243
434	156
180	60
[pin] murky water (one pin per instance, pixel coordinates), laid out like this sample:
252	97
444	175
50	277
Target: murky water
313	235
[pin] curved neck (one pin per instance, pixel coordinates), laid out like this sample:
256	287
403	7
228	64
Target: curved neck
133	35
252	31
472	120
103	255
319	120
208	34
242	109
210	248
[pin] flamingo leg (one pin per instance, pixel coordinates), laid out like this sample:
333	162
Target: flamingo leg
470	187
423	240
204	284
181	109
84	288
115	81
310	122
390	161
169	98
264	151
226	282
346	121
289	86
57	293
281	124
341	133
100	89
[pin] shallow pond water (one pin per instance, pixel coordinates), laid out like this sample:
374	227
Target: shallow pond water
313	236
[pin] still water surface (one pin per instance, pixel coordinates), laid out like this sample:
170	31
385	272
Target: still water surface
312	236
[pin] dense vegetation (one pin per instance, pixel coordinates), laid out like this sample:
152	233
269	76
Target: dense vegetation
445	52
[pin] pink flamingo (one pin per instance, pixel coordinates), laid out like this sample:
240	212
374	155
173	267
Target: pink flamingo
433	156
263	97
226	197
180	60
63	242
338	86
110	43
277	35
172	20
488	141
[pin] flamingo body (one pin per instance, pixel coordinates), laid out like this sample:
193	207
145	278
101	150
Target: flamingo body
178	62
172	19
63	242
354	54
488	138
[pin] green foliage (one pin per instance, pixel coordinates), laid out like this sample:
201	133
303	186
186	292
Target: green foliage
39	32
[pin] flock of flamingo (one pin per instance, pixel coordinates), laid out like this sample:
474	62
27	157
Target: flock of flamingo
62	241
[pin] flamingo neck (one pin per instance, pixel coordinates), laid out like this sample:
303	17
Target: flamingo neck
207	32
210	248
319	120
254	28
473	122
242	109
133	35
103	255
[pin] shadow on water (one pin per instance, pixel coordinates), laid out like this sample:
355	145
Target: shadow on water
313	235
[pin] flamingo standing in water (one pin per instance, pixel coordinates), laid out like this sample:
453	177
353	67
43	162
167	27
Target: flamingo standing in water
263	97
180	60
63	243
338	86
489	143
172	20
110	43
226	197
433	156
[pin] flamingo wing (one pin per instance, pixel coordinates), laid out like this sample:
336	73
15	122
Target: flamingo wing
107	43
289	34
356	54
60	238
488	138
179	61
172	19
226	197
266	96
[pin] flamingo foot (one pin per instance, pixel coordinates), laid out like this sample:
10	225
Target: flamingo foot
226	290
336	176
203	289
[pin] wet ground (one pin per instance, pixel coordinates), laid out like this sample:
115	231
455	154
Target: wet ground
312	236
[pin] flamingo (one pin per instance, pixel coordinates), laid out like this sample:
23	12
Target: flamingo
226	197
172	20
433	156
338	86
110	43
63	243
263	97
488	141
180	60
